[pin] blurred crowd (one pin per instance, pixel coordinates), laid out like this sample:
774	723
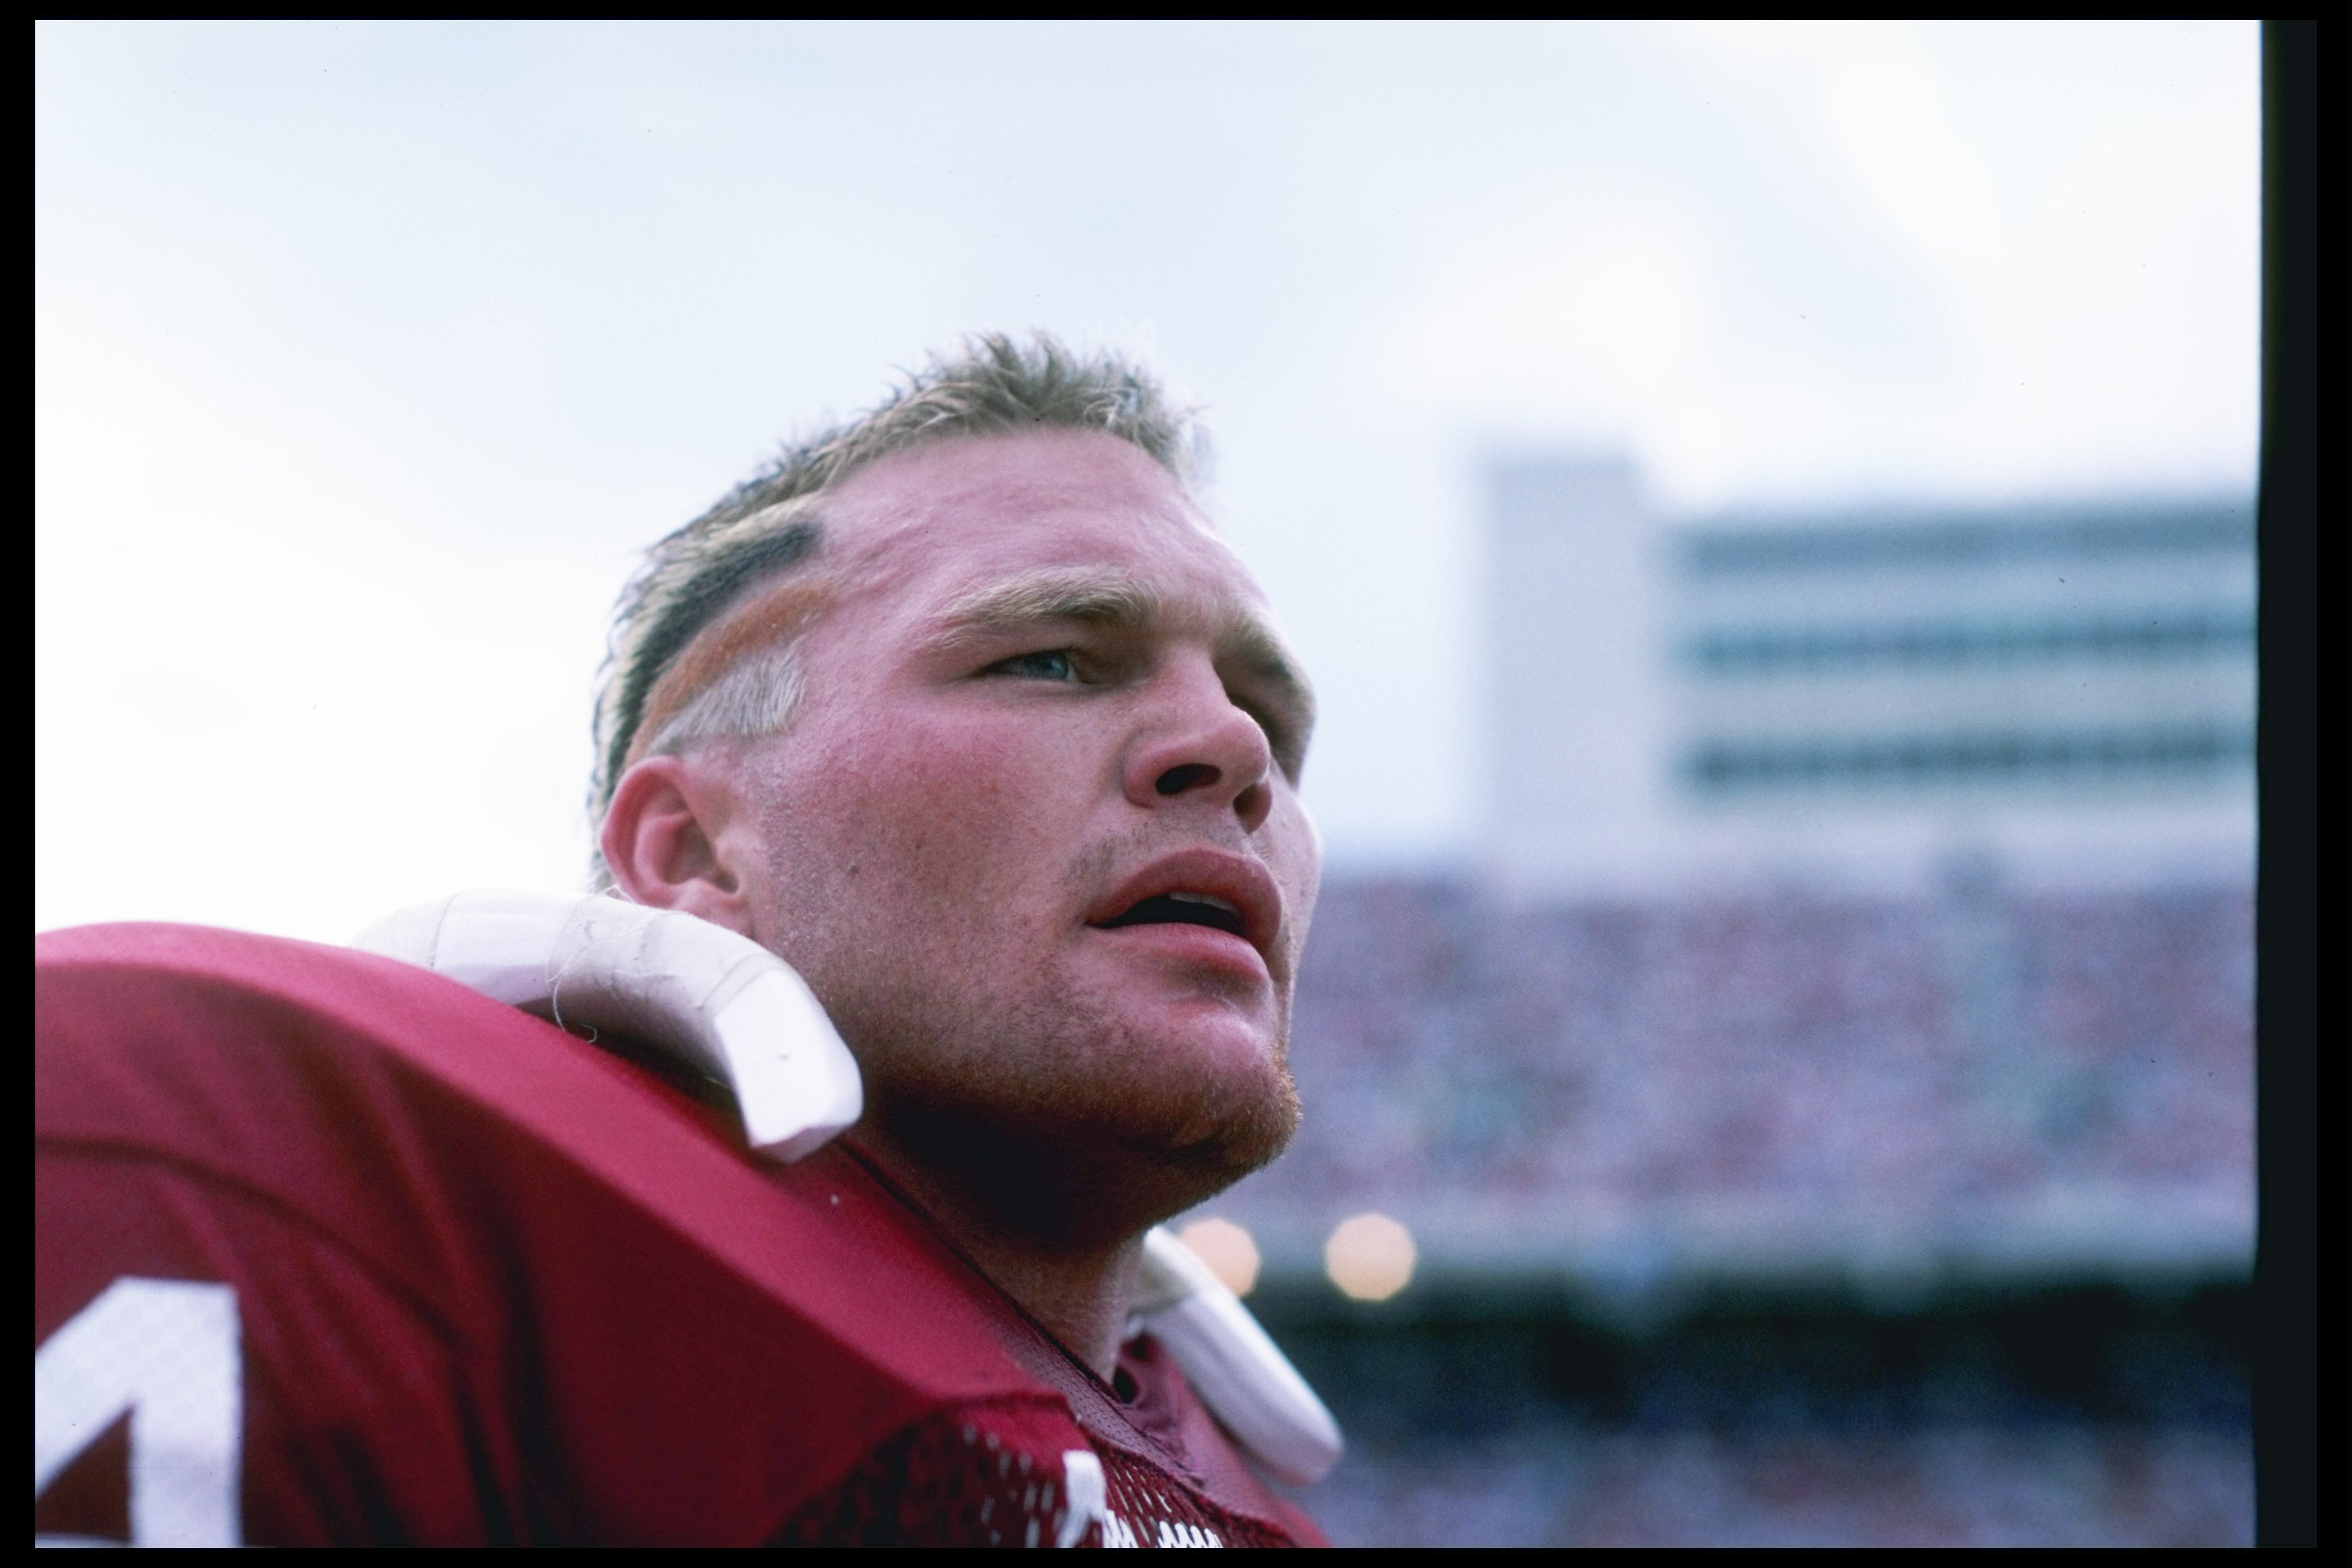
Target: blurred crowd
2049	1486
1892	1064
1522	1083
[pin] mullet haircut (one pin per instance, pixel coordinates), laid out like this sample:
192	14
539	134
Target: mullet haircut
770	525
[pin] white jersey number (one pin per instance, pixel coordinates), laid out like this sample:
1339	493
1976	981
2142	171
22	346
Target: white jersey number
164	1350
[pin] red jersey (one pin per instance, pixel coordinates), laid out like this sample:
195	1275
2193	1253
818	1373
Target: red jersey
327	1248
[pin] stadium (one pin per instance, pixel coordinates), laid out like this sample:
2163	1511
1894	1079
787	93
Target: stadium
1853	1151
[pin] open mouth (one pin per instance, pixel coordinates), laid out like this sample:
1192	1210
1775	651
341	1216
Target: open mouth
1212	888
1182	908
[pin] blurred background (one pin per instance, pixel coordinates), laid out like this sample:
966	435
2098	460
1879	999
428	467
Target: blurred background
1769	510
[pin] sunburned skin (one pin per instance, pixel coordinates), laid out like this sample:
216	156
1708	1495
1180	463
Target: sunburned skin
1034	837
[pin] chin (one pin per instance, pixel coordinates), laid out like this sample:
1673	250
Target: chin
1080	1110
1166	1149
1242	1142
1214	1108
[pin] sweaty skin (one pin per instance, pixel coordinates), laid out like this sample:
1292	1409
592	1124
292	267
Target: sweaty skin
1040	688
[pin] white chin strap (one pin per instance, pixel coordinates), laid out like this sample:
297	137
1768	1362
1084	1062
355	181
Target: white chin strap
728	1007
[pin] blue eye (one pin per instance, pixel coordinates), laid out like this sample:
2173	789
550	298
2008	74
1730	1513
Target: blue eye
1050	666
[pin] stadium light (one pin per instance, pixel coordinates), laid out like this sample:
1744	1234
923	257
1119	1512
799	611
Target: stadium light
1228	1250
1369	1257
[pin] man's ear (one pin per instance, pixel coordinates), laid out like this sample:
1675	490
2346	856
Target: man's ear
671	841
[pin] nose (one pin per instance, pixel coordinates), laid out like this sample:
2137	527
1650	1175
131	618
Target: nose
1198	748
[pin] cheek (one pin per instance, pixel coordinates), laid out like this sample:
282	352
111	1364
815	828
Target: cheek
938	811
1296	860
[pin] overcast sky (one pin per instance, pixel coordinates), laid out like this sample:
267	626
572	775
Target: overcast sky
368	356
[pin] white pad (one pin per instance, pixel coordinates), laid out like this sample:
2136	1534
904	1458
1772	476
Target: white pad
1238	1372
720	1002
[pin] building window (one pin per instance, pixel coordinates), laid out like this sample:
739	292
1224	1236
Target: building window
2184	752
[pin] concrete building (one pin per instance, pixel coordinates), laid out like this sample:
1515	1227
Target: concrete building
2051	694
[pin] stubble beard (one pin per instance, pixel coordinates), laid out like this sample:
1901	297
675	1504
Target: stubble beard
1060	1119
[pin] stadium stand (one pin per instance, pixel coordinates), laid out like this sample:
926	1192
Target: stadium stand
1778	1217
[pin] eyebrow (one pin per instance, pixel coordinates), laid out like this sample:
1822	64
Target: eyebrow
1090	597
1061	594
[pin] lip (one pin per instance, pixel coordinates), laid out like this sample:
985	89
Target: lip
1238	879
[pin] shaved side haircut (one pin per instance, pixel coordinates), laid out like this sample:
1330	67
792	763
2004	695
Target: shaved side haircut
701	645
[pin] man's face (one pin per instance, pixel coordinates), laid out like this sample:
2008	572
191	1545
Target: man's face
1034	837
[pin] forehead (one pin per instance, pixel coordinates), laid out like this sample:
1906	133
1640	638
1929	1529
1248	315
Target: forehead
922	530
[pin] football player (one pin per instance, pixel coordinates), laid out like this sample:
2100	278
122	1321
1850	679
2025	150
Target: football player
964	712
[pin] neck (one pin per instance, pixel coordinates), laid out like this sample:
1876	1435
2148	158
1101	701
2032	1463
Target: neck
1078	1291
